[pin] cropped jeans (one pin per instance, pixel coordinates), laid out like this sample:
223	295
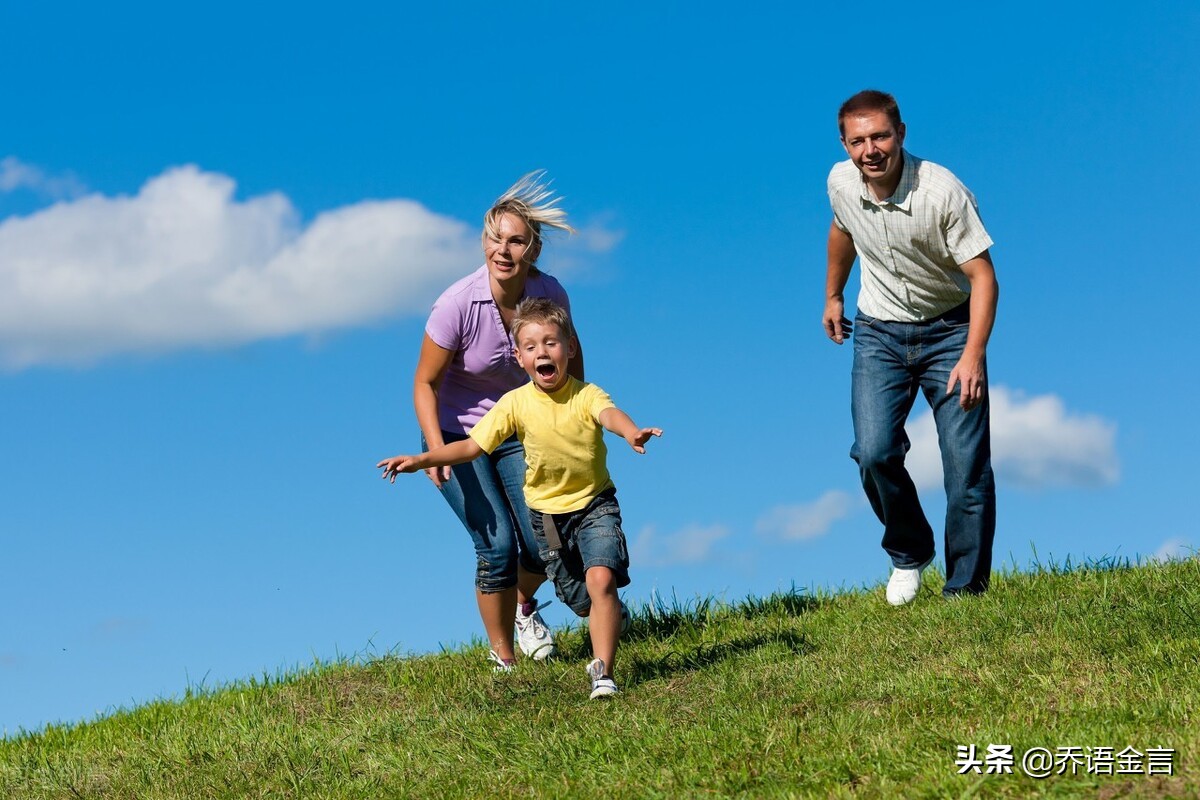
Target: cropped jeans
487	496
892	362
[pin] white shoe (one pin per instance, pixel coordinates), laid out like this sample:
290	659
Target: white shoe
602	685
500	664
533	637
904	584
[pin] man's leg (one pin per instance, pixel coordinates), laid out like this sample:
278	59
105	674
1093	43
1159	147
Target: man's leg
882	391
965	441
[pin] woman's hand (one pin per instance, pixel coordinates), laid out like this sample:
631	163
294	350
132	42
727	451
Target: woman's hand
438	475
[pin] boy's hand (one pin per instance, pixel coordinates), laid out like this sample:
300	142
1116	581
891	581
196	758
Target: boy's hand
637	440
397	464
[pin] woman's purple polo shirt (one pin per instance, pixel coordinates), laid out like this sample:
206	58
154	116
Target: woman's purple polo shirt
466	321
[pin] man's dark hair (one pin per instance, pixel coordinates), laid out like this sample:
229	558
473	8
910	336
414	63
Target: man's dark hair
869	100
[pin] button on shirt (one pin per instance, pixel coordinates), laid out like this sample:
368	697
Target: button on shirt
910	245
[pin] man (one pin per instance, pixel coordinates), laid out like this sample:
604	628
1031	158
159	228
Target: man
925	312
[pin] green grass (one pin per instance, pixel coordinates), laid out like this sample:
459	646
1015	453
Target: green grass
832	695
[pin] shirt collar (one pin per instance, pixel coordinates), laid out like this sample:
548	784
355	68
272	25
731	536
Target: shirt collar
481	286
902	197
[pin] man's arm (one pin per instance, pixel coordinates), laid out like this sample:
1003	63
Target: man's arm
840	256
617	421
446	455
970	371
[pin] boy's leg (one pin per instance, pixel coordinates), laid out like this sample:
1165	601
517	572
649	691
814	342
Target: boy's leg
564	569
527	584
605	558
604	620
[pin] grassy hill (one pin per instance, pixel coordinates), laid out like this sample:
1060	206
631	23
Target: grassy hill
788	696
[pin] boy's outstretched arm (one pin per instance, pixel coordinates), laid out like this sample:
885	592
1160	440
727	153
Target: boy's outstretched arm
444	456
617	421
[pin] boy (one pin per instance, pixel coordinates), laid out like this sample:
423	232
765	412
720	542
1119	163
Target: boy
570	495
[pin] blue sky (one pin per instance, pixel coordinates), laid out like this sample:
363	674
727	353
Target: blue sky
221	229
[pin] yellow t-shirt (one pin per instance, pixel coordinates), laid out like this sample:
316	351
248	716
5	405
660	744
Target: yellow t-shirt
563	439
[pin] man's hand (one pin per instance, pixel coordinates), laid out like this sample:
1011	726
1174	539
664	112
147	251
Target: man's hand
971	374
637	439
837	327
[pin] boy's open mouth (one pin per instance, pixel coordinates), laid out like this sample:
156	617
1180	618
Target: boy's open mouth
546	370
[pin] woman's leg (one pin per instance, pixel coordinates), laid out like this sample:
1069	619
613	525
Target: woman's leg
497	610
476	494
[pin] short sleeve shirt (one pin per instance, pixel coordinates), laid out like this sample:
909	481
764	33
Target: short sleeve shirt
565	456
911	245
465	320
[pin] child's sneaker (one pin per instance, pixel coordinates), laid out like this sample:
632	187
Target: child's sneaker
501	664
532	634
602	685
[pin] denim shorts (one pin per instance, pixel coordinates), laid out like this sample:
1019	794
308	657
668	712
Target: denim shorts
591	537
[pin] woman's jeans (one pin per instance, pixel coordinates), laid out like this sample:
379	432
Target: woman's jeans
892	362
488	498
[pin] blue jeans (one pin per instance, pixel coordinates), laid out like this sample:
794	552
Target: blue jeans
892	362
488	498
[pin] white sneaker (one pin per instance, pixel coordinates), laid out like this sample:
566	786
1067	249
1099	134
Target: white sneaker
533	637
501	665
602	685
904	584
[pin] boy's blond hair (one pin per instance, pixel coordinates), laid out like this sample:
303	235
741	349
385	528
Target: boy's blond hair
542	311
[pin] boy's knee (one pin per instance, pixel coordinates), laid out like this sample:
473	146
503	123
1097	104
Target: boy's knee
601	581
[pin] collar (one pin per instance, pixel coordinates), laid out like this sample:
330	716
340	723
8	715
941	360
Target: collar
481	286
902	196
560	394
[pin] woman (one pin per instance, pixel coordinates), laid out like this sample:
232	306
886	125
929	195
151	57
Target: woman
466	363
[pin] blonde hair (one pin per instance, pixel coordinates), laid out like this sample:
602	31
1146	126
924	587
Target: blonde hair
530	199
541	311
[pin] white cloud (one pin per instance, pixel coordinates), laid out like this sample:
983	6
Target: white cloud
16	174
1174	549
597	236
690	545
183	263
806	520
1036	443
